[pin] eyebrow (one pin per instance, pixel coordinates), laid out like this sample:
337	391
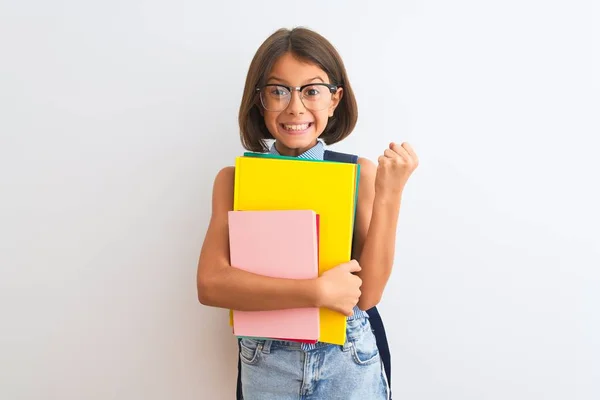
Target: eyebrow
284	81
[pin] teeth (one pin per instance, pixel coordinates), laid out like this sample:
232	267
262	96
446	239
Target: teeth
296	127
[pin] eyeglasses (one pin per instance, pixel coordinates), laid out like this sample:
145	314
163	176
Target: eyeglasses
314	96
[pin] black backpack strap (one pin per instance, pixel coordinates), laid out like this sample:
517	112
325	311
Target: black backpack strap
382	344
340	157
238	392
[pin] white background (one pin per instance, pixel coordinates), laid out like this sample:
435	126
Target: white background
115	117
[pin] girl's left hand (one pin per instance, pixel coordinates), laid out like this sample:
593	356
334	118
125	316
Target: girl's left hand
395	167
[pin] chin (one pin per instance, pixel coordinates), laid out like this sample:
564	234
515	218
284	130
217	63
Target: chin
296	142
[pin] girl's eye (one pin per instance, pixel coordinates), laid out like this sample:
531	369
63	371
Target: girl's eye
279	91
311	91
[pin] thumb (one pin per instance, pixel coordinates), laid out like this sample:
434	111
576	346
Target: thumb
353	266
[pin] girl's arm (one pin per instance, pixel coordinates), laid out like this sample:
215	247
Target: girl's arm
221	285
379	199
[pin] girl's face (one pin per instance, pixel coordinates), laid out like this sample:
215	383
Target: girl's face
296	128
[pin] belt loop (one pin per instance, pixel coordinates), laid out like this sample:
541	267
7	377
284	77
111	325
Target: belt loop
347	345
266	348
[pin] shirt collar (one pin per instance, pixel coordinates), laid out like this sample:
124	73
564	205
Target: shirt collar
317	152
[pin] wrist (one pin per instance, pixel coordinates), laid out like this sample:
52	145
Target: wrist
313	292
386	198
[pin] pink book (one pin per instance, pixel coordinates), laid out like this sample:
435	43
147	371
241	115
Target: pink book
279	244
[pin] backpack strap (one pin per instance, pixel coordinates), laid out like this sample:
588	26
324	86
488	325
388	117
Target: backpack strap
340	157
238	390
382	344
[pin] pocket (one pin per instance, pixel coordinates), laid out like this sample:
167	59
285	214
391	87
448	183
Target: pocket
364	347
250	350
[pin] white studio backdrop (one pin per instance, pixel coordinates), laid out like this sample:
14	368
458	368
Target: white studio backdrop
115	117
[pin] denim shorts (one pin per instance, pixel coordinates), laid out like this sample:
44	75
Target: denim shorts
282	370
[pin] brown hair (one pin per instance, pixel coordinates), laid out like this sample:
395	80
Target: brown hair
308	46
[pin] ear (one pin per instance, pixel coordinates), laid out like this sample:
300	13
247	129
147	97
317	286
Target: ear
335	100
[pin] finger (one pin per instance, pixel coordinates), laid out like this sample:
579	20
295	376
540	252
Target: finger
353	266
358	282
388	153
411	152
391	155
409	149
401	151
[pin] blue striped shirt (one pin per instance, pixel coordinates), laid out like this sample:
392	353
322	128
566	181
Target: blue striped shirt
317	152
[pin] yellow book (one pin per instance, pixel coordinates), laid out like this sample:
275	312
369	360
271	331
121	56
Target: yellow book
328	188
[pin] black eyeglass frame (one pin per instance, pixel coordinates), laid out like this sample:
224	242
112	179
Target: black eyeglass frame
332	89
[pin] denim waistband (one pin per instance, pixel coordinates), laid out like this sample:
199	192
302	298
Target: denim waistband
355	328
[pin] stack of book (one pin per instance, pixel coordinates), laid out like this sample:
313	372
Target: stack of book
291	219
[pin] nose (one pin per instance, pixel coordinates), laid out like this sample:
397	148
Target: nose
295	107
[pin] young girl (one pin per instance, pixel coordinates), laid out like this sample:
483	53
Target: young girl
297	92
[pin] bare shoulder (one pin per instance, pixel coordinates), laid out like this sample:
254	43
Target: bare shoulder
223	187
225	175
368	170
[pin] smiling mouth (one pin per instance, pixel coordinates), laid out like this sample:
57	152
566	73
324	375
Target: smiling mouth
295	128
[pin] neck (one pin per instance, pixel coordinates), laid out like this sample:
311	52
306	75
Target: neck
292	152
